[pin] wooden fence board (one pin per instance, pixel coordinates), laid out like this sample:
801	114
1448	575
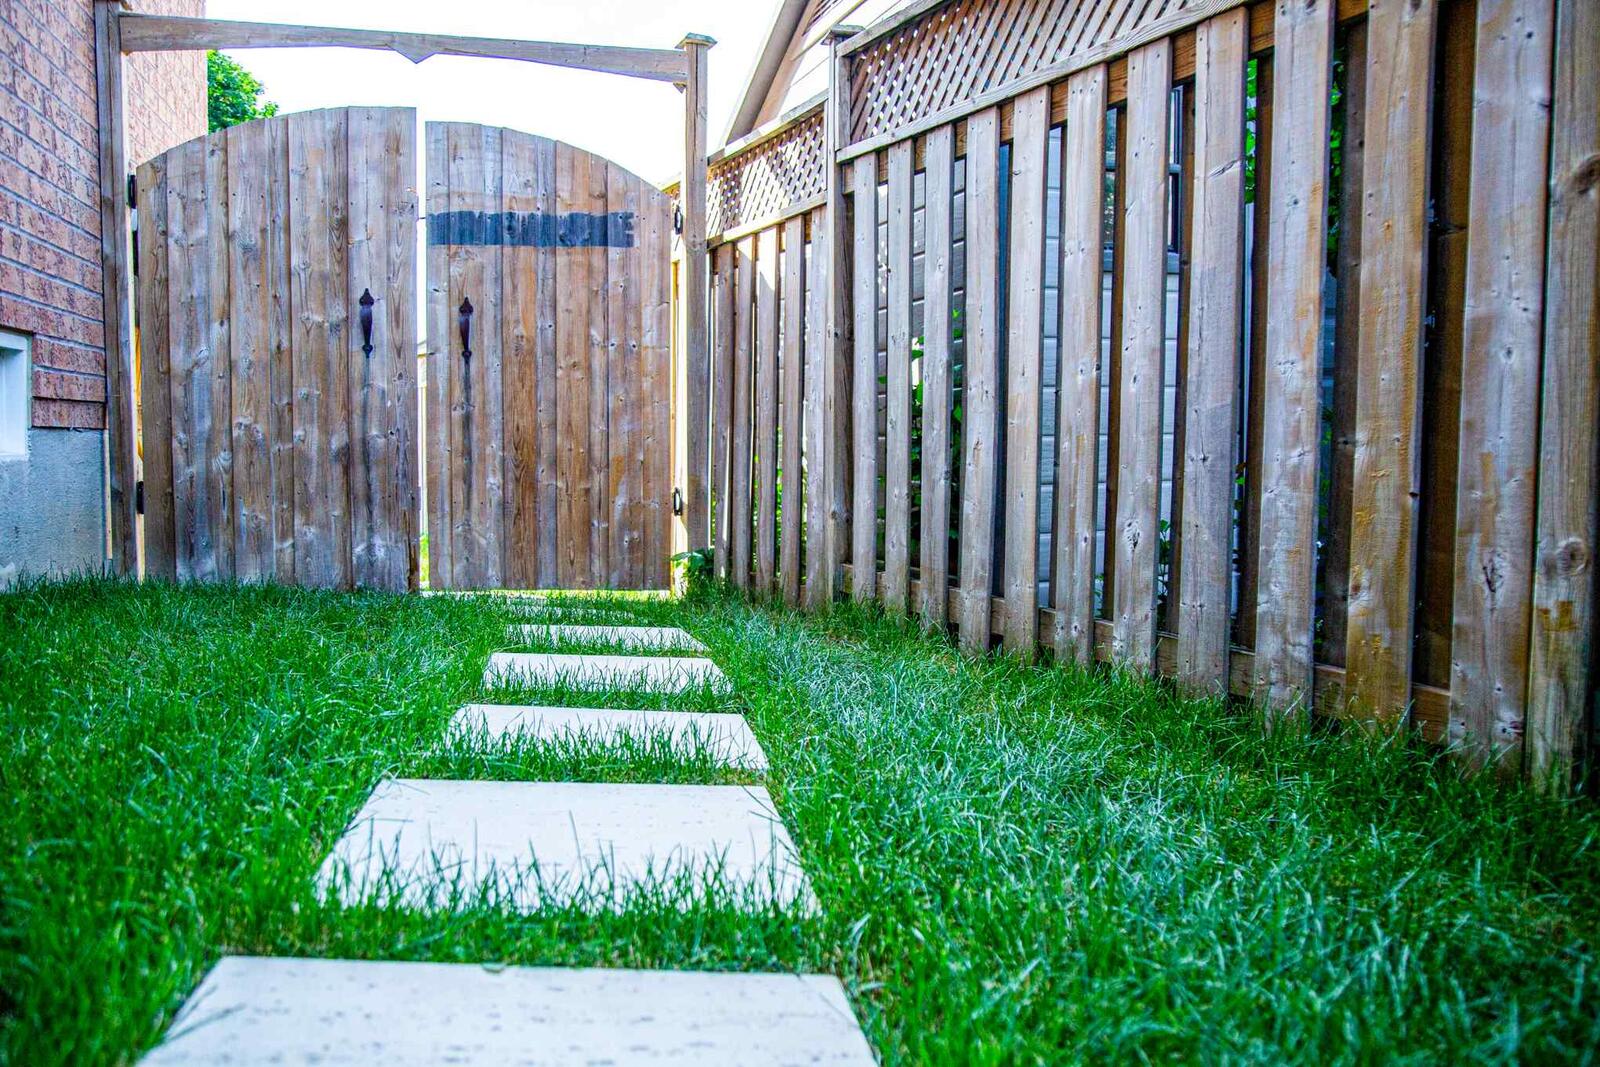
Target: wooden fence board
443	352
863	410
579	275
766	424
790	419
1386	468
817	386
1211	378
743	371
1569	475
934	565
722	357
1504	318
246	182
280	333
155	371
654	266
625	396
1024	353
527	167
1078	383
979	400
1138	428
1290	420
897	458
593	200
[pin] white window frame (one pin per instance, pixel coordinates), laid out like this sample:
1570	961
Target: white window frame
16	394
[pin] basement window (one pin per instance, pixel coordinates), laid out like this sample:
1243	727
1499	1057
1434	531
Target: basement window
15	394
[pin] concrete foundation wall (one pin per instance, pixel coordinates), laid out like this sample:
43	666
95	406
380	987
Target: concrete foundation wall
52	516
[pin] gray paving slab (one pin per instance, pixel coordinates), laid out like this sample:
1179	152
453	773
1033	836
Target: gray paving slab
254	1010
726	737
623	638
593	844
656	673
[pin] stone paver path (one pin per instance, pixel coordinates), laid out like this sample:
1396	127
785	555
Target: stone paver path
592	842
657	638
252	1010
726	737
660	673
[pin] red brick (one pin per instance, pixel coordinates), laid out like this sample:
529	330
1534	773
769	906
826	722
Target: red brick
69	414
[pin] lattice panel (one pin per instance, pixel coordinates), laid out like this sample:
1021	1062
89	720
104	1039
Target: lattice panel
970	47
769	179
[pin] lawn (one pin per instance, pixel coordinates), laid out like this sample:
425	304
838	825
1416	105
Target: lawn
1016	865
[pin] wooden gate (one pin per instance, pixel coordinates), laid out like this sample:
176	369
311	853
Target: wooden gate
277	312
549	366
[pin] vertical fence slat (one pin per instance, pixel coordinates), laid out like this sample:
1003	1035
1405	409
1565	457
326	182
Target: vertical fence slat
897	451
653	452
1386	463
1024	351
1500	378
546	359
837	360
722	357
1211	376
1144	295
440	361
594	197
155	371
625	395
863	409
1569	476
1290	414
934	564
279	333
477	432
816	387
524	392
254	549
1078	382
979	410
790	418
739	449
766	383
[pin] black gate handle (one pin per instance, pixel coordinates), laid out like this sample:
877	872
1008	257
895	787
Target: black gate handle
464	319
366	322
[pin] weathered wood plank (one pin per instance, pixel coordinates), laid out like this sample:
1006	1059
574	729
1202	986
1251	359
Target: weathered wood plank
1024	353
1500	379
527	187
579	274
938	248
443	354
1078	383
897	433
625	397
695	266
593	195
722	357
1144	291
837	360
864	402
248	296
766	419
655	287
743	433
790	416
280	347
1211	382
818	566
1569	476
979	400
1260	256
1386	463
155	366
1291	422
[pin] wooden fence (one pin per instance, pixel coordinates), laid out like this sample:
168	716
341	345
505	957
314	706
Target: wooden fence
1254	345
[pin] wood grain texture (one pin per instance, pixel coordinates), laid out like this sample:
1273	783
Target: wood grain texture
1290	415
1388	424
579	277
897	434
625	395
1078	383
938	253
249	294
653	264
838	362
1500	379
743	432
1024	357
979	400
1569	475
155	371
1211	370
790	412
1138	426
864	397
528	168
766	417
696	356
818	566
722	356
439	453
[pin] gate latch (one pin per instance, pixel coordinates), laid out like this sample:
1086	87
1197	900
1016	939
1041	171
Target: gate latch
677	501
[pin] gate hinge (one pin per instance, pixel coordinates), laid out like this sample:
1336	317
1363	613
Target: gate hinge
133	192
138	497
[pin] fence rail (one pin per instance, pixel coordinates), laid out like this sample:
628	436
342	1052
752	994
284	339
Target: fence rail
1253	345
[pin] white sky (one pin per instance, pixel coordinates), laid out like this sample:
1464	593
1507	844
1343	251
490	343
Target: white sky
639	124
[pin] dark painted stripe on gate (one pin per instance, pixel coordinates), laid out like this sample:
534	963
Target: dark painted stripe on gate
532	229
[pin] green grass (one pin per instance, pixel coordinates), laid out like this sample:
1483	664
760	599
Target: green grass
1017	864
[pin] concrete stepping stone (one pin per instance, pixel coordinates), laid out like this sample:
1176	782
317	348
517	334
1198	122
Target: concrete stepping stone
254	1010
658	638
727	737
655	673
590	843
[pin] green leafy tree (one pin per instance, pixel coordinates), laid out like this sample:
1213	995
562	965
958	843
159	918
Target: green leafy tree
233	95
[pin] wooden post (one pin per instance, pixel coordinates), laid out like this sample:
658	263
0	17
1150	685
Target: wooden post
836	368
694	287
116	264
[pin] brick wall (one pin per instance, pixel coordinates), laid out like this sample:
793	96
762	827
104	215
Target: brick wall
50	279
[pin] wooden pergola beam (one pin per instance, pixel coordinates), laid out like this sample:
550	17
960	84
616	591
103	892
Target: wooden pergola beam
160	33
